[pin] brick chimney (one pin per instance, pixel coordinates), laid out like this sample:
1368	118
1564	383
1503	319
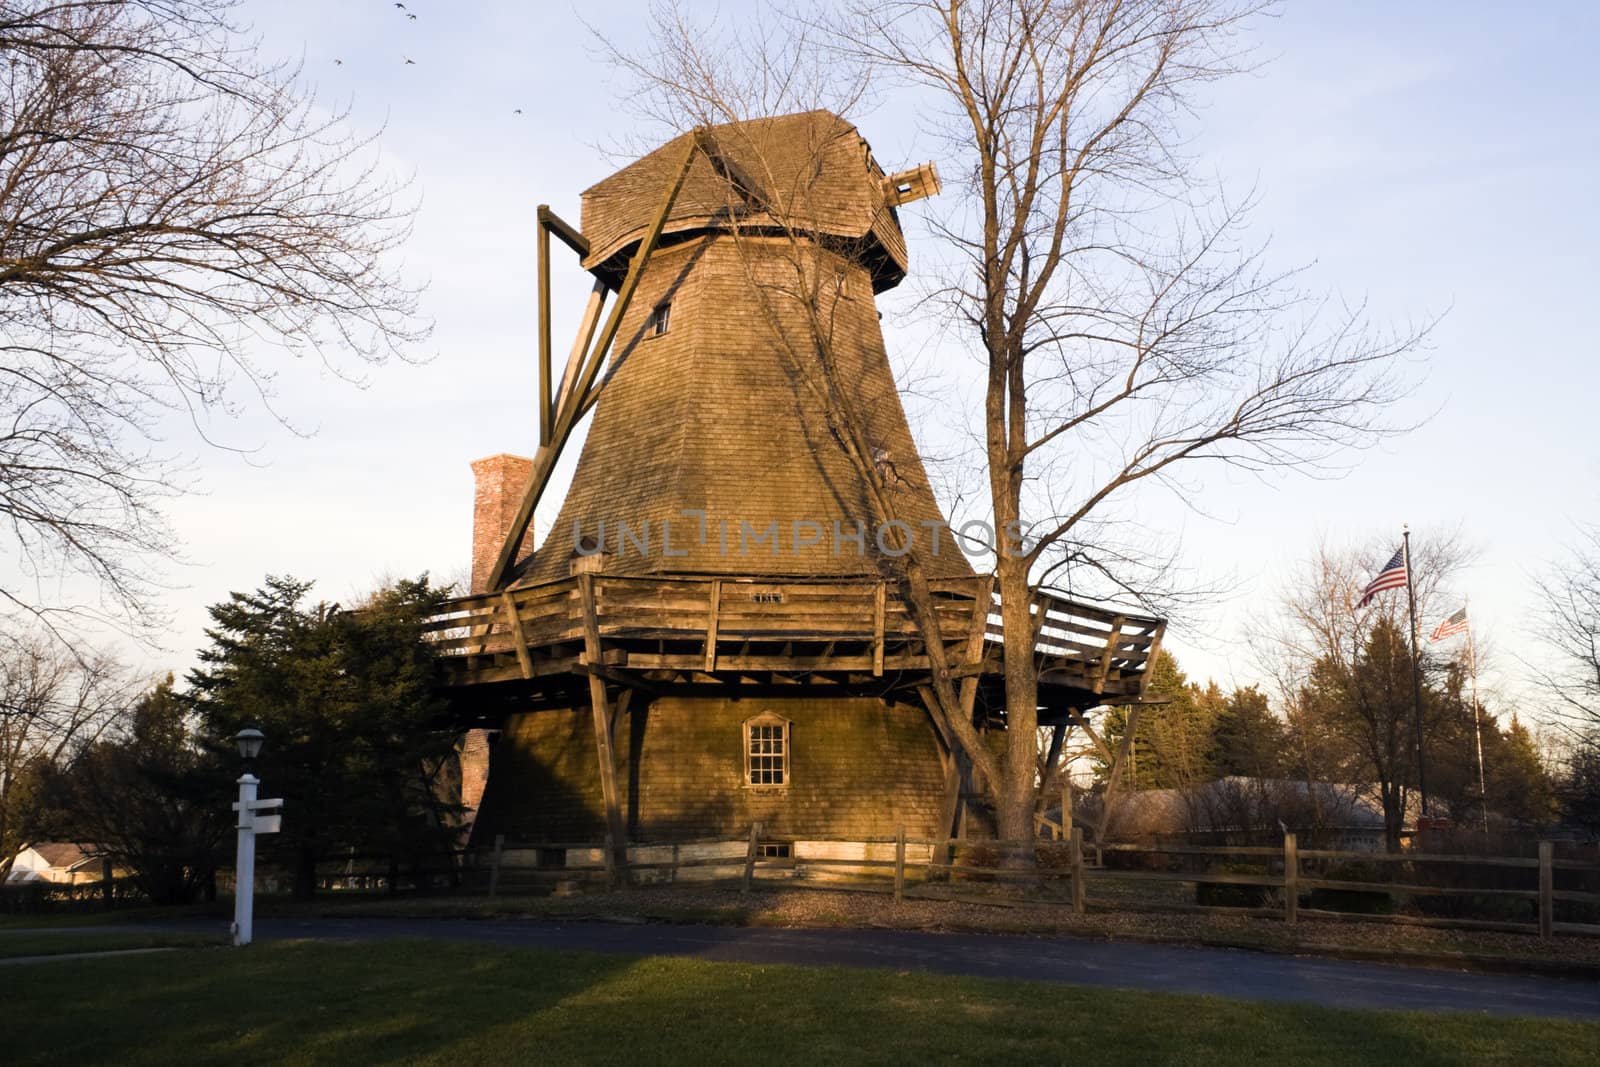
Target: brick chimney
499	481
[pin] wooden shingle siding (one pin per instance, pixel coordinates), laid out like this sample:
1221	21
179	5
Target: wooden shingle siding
709	417
858	768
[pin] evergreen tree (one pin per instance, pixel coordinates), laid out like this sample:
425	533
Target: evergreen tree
349	704
1519	786
1174	740
1247	739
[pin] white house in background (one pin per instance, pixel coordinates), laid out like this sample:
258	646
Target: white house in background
59	862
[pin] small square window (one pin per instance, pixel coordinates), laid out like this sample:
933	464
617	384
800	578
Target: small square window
660	319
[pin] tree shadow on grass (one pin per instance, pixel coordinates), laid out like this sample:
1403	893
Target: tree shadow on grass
300	1002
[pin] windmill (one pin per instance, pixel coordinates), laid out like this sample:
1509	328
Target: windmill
713	634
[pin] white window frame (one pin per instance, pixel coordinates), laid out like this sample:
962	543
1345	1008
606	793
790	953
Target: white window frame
766	722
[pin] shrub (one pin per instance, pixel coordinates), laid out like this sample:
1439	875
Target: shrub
1215	895
1355	901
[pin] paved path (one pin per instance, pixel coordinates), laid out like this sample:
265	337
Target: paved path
1114	965
12	961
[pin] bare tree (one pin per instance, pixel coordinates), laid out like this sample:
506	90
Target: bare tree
1344	672
1123	329
52	702
1569	622
171	209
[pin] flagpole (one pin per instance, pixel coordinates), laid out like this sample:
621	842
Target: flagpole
1477	721
1416	674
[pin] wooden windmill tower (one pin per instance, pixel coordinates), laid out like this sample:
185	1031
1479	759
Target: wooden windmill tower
711	634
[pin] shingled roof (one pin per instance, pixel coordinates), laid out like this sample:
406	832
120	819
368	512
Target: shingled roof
812	170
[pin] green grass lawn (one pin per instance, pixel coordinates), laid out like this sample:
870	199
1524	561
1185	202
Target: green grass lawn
22	943
430	1002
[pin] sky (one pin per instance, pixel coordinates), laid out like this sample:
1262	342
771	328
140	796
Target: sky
1427	158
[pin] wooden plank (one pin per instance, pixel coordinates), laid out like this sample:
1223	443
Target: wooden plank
580	345
1080	888
1417	890
750	856
900	866
546	408
494	863
1197	877
617	852
711	625
524	660
564	230
877	630
1419	857
1291	879
1547	881
1198	850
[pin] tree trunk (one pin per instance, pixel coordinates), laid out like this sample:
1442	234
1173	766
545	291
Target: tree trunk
1014	790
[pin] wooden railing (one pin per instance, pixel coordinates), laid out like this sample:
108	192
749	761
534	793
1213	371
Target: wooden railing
707	624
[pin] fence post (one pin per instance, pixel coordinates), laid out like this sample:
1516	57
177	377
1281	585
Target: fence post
494	864
1291	878
900	865
1066	806
1080	891
1547	889
750	857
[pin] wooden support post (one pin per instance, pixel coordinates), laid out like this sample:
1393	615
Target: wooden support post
750	857
494	864
1080	891
900	865
1547	889
518	638
1066	804
547	414
1110	650
1291	879
1114	774
616	835
107	880
580	346
581	394
712	621
949	810
877	631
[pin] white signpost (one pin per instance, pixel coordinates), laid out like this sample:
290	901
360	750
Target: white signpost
251	823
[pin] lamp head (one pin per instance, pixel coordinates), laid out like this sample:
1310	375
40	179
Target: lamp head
249	741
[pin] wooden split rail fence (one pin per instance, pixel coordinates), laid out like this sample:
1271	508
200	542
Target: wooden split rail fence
1287	868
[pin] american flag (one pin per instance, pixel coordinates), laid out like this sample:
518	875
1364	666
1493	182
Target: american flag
1393	576
1455	624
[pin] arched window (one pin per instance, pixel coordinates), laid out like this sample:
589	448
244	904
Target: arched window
766	751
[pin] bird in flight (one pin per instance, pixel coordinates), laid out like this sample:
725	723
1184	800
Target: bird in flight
410	62
410	16
402	7
517	111
338	62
